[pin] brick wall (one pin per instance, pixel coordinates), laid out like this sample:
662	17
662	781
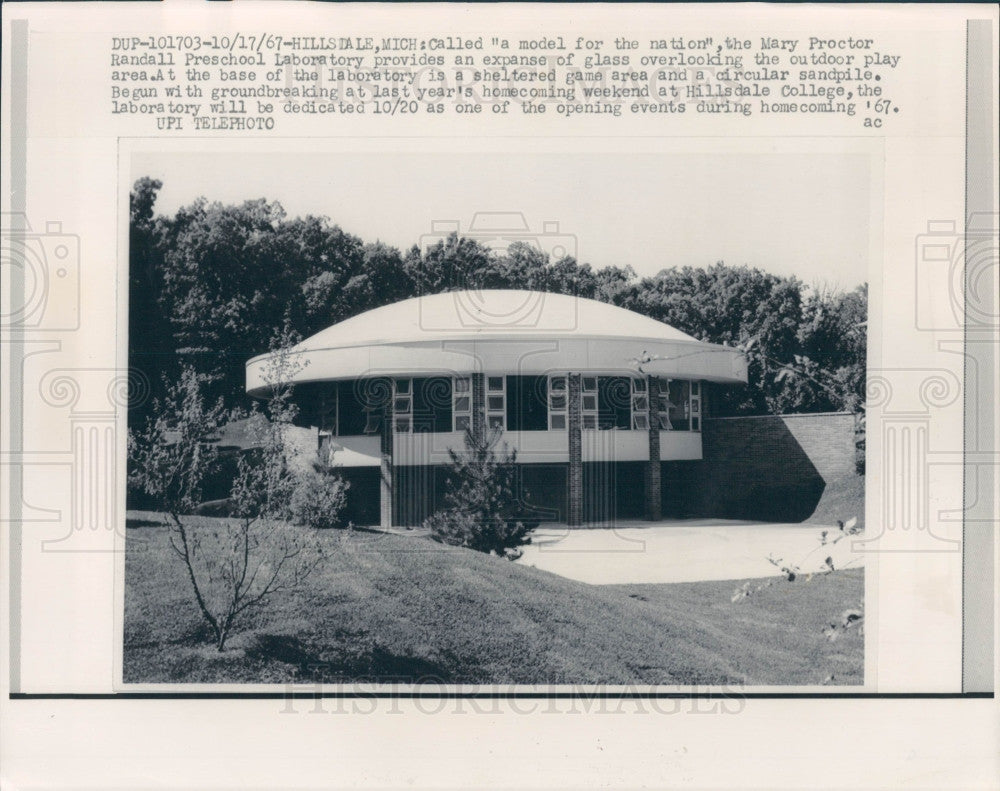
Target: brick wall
575	442
653	475
772	467
478	403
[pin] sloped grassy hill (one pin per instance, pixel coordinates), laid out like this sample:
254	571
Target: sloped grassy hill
387	608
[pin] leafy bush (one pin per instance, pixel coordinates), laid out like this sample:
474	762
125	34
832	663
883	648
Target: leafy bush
318	499
482	501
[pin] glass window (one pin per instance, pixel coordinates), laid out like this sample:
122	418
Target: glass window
588	402
614	402
663	406
680	404
402	405
696	406
432	402
461	405
557	403
328	407
496	402
640	405
527	403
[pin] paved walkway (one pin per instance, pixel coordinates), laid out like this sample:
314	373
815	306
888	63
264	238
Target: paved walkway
689	550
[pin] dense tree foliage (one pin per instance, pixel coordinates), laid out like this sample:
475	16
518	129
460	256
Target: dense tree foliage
212	284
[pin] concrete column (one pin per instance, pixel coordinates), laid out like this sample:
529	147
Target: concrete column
575	439
386	479
654	502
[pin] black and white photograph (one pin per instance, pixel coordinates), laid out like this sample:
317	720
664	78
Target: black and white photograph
532	419
499	395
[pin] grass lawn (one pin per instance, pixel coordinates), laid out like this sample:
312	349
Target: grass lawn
396	608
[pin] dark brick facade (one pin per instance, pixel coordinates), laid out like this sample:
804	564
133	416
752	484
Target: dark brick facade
478	404
575	440
772	467
653	475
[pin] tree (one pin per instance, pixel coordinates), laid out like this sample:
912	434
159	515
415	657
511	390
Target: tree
454	263
212	283
380	280
834	336
173	454
520	267
730	305
265	476
150	350
481	498
234	566
234	274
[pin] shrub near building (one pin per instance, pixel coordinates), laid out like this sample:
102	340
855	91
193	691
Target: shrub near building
482	503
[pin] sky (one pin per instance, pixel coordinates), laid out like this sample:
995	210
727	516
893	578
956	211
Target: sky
801	214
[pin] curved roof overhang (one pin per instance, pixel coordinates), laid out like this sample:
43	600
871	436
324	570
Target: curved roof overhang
683	359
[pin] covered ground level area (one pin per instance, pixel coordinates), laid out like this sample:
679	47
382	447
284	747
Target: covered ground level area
609	492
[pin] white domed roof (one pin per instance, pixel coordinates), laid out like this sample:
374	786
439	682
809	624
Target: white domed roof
491	313
501	331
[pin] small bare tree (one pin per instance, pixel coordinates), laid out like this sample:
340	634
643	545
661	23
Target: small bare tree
234	565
